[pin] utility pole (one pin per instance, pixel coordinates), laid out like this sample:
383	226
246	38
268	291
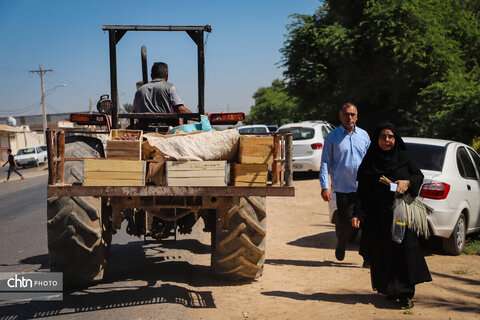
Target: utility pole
41	72
90	108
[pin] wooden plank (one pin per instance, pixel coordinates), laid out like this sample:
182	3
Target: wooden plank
256	140
108	182
123	145
198	173
249	168
249	184
114	165
113	175
250	174
195	165
197	181
255	150
123	153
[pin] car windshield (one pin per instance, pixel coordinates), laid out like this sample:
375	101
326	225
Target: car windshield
253	130
299	133
426	156
44	148
26	151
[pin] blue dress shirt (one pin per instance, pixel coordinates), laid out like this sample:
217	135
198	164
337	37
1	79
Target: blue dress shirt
341	156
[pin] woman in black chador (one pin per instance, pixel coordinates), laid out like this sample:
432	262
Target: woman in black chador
395	268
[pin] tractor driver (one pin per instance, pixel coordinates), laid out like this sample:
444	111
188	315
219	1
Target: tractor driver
159	96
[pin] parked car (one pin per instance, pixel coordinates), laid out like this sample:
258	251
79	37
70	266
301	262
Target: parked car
308	139
31	156
451	186
272	128
253	128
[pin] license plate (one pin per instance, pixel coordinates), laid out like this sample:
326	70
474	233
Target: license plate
297	166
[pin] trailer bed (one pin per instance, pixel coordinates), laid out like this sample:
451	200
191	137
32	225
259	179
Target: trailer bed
162	191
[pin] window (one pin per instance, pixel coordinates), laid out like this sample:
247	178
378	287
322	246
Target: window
300	133
465	164
324	131
26	151
476	159
253	130
435	159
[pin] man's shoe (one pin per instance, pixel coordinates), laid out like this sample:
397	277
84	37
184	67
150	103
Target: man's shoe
340	252
5	181
22	178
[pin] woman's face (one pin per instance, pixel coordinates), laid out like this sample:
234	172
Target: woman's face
386	140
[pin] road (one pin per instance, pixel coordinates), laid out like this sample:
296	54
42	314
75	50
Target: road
142	281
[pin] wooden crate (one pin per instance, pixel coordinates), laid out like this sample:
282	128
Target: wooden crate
196	173
250	174
108	172
254	149
124	149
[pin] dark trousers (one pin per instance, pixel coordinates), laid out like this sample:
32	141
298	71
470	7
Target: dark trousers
343	228
10	169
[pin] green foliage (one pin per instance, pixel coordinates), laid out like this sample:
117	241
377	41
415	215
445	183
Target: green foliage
273	105
476	144
412	62
127	107
472	245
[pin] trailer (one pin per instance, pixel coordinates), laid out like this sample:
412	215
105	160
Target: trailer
83	218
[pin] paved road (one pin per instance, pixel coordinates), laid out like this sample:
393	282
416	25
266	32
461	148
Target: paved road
142	281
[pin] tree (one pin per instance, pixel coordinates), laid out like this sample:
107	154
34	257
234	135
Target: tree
273	105
128	107
412	62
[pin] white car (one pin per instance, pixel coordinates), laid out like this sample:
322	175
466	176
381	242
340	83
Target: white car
308	139
30	156
451	186
253	128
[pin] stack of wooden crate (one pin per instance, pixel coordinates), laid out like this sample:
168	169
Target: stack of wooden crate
124	144
254	155
123	165
196	173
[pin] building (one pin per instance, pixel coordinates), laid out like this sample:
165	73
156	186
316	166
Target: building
16	138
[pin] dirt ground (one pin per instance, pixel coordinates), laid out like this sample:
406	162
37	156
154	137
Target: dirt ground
303	280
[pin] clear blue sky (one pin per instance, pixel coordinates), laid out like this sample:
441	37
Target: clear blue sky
242	52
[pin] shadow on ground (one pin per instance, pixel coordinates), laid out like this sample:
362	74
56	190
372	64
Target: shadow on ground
310	263
136	274
377	300
309	175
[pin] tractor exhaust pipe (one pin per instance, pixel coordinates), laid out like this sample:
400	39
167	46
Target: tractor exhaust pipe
144	65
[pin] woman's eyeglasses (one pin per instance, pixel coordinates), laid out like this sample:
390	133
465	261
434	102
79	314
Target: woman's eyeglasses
385	136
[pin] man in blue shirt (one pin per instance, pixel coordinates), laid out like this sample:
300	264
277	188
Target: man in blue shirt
343	151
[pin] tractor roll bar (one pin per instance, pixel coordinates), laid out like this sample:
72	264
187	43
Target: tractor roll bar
115	34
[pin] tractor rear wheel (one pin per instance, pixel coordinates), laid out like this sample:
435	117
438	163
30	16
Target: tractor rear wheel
238	245
78	230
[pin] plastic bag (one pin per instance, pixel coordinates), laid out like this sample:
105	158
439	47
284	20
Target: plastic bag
399	223
204	125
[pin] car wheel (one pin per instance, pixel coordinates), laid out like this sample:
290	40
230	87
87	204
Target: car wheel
456	243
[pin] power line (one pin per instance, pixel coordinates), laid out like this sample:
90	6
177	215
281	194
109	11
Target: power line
62	78
54	109
20	109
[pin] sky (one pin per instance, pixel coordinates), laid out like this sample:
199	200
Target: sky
241	54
